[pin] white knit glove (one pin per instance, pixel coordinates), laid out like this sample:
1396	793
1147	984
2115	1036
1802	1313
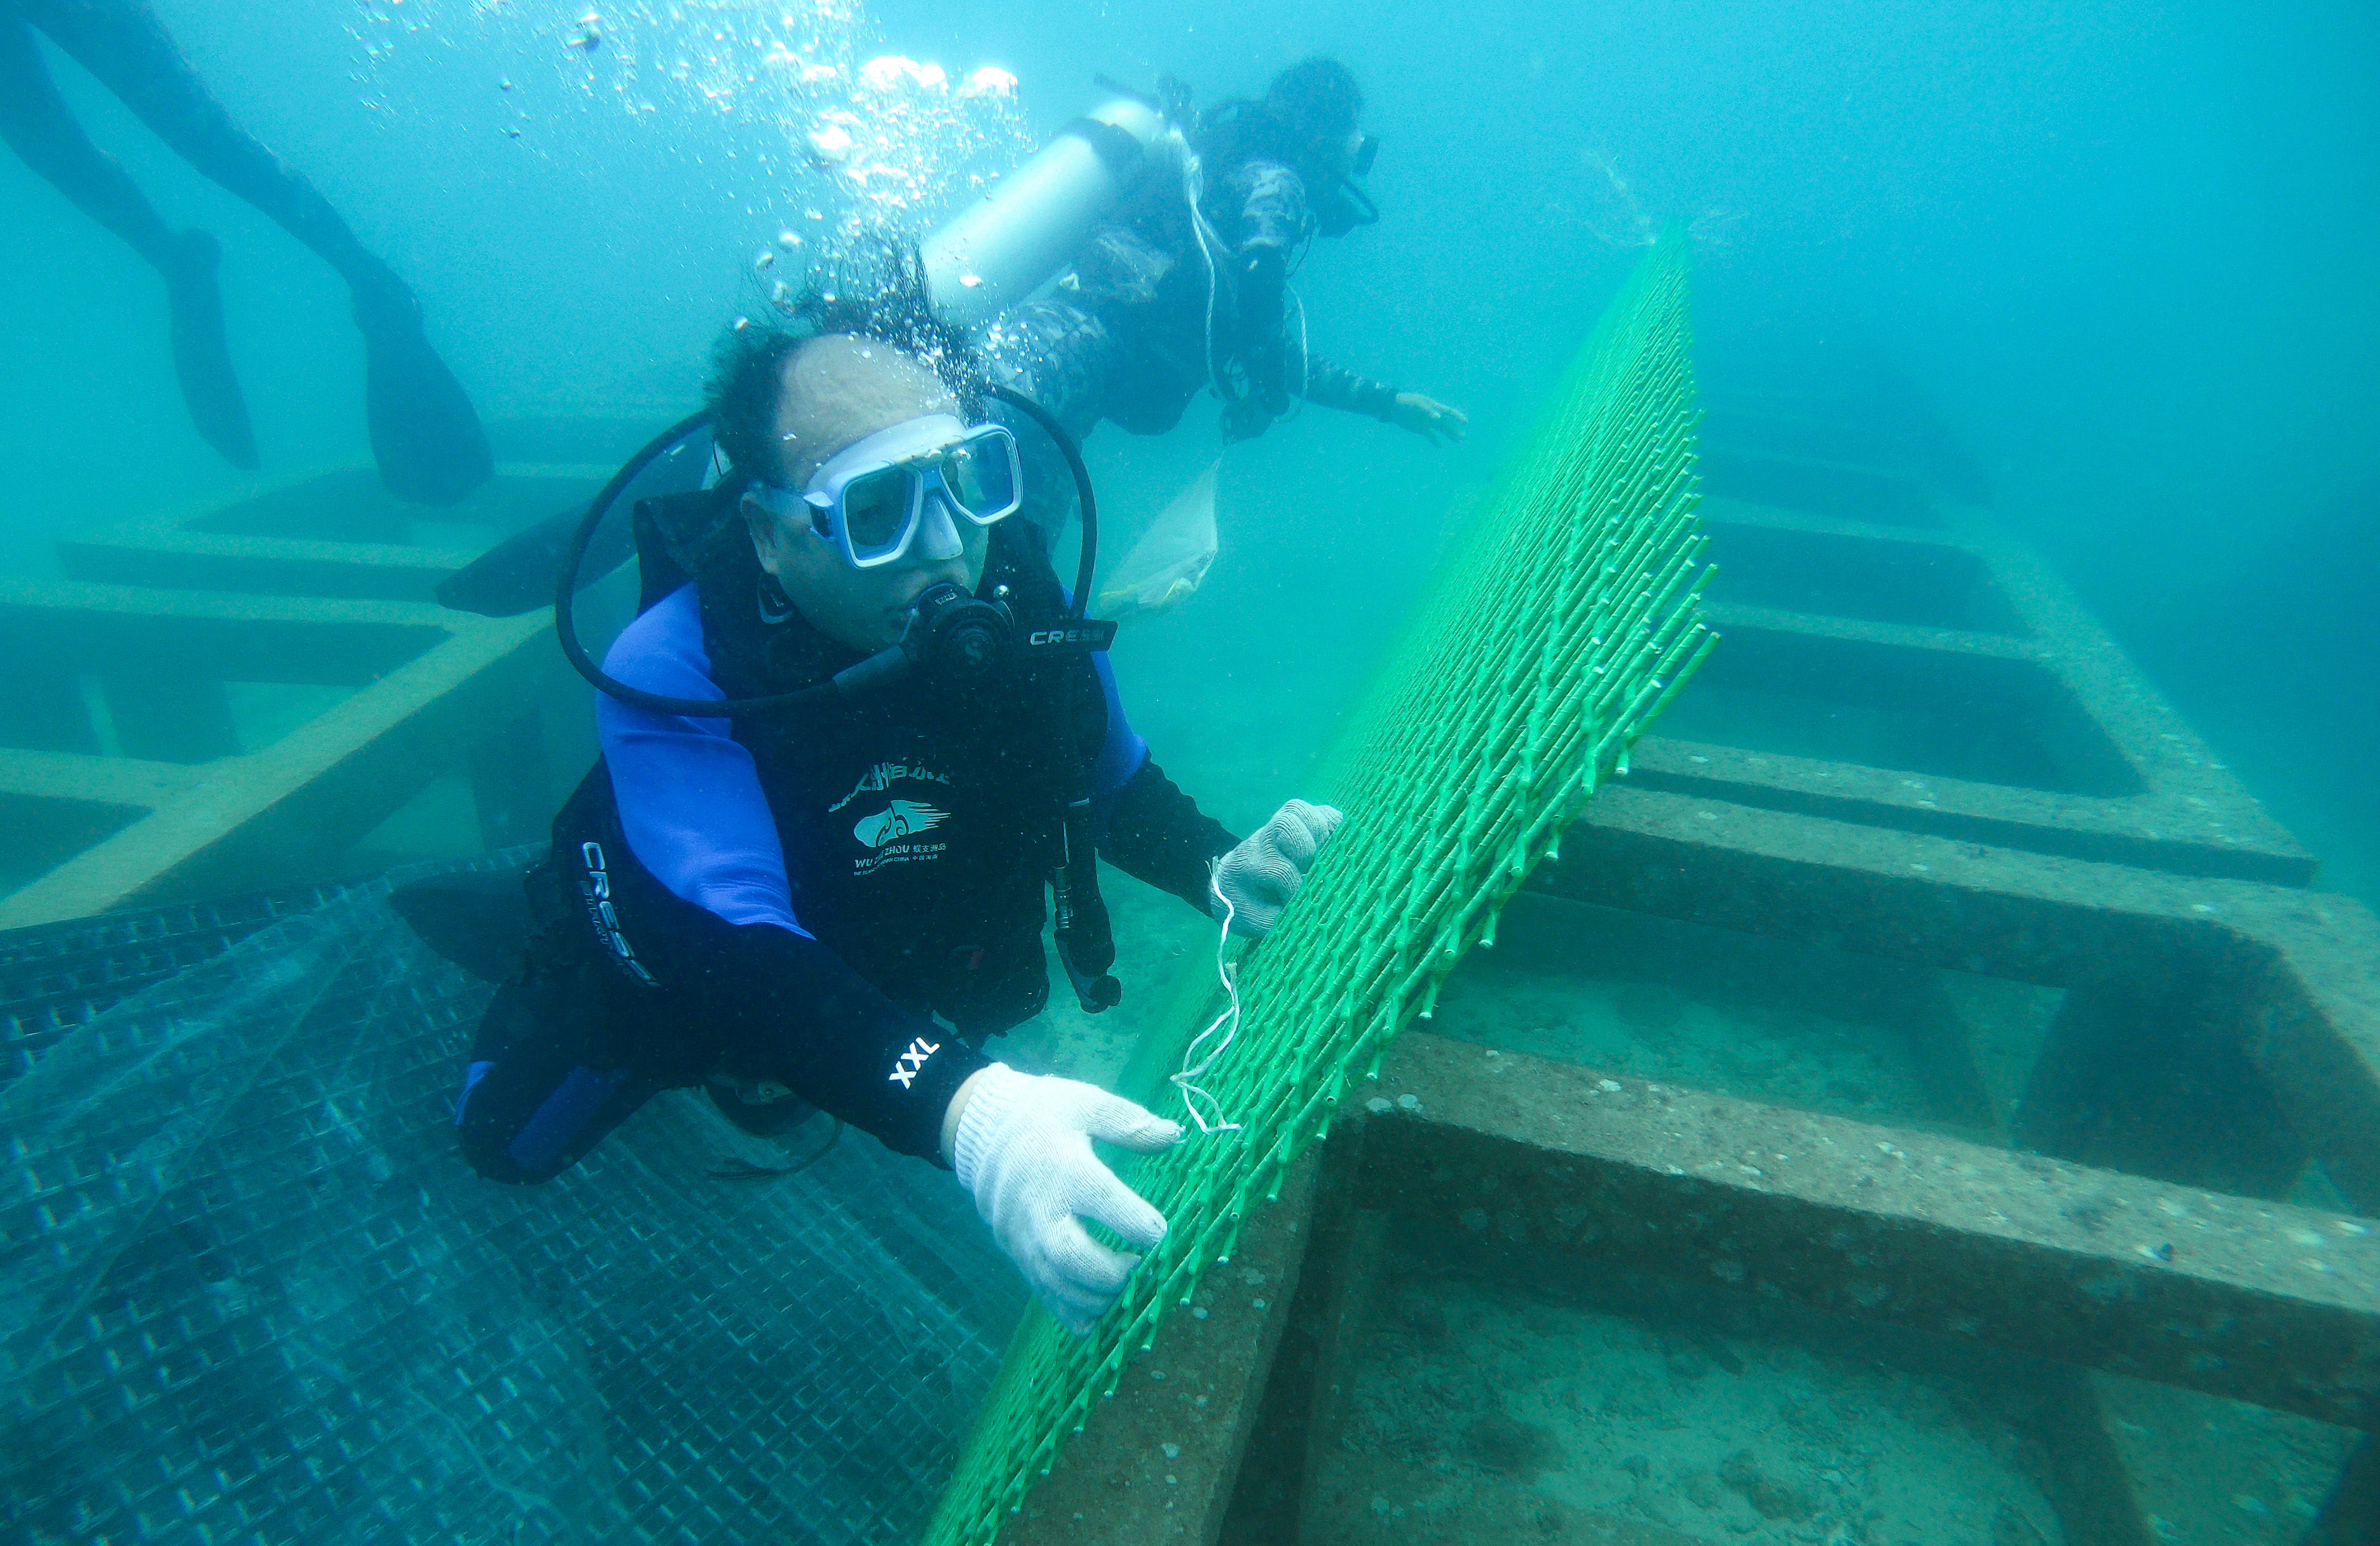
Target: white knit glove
1023	1148
1260	876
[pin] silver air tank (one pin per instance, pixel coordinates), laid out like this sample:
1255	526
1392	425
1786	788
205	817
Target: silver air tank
1003	246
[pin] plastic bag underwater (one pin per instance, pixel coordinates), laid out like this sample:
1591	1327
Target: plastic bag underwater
1166	566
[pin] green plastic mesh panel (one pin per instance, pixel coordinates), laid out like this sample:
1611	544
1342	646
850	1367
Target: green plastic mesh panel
1553	641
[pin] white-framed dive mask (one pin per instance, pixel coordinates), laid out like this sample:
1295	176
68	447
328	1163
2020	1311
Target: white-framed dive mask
871	498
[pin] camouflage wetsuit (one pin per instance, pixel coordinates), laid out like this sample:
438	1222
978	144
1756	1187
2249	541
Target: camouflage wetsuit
1125	336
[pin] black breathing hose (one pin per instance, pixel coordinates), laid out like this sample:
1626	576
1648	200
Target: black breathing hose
1088	565
876	668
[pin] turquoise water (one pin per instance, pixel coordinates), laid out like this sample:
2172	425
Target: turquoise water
2102	273
2117	260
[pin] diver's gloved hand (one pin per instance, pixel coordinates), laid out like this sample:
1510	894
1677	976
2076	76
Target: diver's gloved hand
1260	876
1439	424
1021	1144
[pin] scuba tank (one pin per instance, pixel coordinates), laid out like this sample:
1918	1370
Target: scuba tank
983	260
1008	243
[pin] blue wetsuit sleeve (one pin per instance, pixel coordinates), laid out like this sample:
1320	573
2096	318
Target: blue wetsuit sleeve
1122	753
688	792
780	1004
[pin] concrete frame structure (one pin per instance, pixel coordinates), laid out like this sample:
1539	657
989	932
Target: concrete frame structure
2104	852
125	770
1946	615
426	691
336	532
2114	858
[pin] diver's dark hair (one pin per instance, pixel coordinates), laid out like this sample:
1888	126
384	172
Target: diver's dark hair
887	302
1316	98
1309	104
748	367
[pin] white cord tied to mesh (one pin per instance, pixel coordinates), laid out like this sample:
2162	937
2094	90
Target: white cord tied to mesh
1191	1093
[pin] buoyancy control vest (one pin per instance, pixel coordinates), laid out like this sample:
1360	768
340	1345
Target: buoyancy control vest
919	826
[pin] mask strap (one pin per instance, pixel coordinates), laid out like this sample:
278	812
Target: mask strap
775	605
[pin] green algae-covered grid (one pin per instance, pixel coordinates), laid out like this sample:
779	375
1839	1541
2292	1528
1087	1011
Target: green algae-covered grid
1553	641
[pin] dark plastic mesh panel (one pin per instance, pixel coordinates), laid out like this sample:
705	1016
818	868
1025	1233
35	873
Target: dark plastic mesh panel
248	1291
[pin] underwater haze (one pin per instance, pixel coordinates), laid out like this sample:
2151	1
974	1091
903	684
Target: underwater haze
2039	342
2115	260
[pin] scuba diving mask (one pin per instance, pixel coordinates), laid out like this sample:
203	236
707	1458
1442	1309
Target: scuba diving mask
871	498
1345	206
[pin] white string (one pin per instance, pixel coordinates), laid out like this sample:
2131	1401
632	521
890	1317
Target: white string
1195	191
1191	1093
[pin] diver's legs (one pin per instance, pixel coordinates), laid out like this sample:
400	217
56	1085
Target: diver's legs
36	123
124	43
536	1094
37	126
424	433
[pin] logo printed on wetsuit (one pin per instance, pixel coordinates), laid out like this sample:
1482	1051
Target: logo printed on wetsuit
597	892
897	821
883	775
914	1060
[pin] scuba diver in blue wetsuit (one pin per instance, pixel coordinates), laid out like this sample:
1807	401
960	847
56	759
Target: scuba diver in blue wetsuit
424	435
856	731
1184	286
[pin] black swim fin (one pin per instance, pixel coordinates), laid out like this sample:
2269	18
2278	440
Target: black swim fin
478	919
425	435
202	354
518	575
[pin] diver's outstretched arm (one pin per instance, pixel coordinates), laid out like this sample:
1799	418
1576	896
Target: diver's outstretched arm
424	433
1336	386
37	126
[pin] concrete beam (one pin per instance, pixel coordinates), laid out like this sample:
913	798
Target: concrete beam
2194	840
294	807
1159	1463
1808	564
72	775
1724	509
260	566
1843	490
180	636
1531	1159
337	531
2299	971
1892	619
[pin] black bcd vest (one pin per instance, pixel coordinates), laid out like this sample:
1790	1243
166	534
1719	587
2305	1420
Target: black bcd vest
921	823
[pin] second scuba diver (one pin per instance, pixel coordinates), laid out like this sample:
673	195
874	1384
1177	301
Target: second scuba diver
1186	285
832	903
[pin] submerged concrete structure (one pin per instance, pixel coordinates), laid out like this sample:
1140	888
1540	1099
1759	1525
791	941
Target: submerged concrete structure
224	698
1915	745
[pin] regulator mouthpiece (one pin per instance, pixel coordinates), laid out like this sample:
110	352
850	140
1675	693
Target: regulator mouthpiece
958	640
